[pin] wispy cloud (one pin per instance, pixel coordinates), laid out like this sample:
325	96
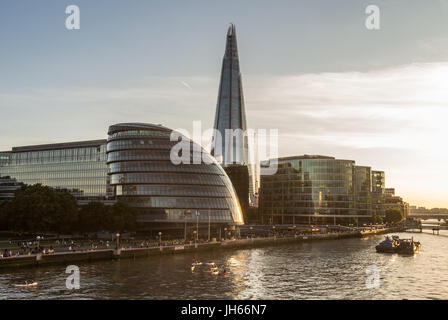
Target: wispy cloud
186	84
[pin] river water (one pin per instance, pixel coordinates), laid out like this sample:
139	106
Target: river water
338	269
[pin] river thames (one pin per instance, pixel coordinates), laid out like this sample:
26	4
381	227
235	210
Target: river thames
335	269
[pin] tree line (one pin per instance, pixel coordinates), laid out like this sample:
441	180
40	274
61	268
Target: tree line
392	215
37	208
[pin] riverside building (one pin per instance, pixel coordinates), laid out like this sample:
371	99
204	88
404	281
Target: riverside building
317	189
79	167
132	165
378	192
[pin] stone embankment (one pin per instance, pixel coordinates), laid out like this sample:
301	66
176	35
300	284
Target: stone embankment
132	253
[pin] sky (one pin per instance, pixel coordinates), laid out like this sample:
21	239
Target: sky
310	69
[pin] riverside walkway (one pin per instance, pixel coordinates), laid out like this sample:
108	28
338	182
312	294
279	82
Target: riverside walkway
87	255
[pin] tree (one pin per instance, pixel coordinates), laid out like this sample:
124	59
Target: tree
93	217
393	215
38	208
122	217
3	220
376	218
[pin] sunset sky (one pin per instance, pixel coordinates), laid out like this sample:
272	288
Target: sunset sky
310	69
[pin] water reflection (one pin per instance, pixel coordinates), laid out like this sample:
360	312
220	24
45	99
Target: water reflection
318	270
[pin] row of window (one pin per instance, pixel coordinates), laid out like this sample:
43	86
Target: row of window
145	144
179	215
181	203
166	178
59	175
156	190
310	163
149	166
58	156
139	133
318	177
307	197
309	204
54	167
89	185
130	155
313	211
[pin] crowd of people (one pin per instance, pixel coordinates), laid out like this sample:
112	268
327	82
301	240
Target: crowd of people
84	245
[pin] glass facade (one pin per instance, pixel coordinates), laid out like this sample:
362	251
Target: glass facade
363	190
314	188
79	167
378	188
7	188
231	115
142	174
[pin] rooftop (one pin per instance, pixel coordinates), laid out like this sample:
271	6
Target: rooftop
64	145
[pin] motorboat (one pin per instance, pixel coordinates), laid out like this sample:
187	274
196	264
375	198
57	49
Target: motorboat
389	245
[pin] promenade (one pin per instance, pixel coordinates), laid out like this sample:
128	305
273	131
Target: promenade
123	252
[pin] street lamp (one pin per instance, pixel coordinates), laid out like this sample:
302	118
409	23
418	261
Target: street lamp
225	233
195	236
160	238
273	230
38	243
251	233
117	241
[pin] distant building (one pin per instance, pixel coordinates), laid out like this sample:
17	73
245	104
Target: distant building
392	201
7	188
423	210
312	189
239	176
321	189
389	192
363	190
378	192
168	195
79	167
132	165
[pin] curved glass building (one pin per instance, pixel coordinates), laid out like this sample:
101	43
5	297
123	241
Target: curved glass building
168	195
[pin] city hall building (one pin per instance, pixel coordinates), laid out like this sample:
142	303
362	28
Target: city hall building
319	189
132	165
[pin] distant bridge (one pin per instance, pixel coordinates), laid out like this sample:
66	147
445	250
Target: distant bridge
426	216
411	225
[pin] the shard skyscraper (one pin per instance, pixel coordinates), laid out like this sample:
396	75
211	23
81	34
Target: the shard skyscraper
230	142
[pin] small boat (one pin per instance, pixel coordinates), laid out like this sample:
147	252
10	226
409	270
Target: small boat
196	263
212	269
31	284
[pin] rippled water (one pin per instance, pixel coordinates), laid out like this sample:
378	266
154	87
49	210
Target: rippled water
315	270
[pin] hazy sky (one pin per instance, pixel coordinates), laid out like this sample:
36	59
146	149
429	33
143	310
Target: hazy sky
310	69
